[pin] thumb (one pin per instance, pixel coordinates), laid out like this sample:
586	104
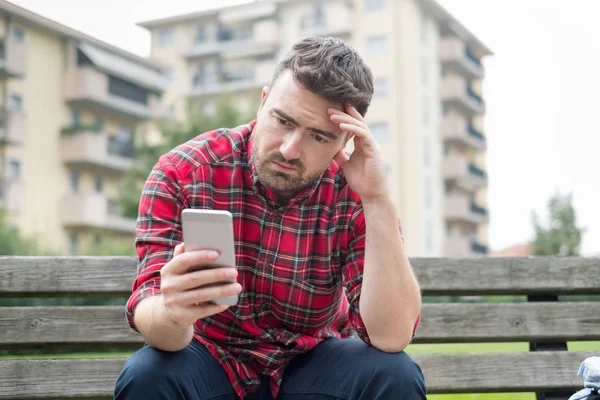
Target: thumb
179	249
342	157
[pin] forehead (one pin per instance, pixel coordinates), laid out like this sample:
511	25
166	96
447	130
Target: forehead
306	107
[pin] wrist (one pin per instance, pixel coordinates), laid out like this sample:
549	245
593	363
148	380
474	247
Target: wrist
383	200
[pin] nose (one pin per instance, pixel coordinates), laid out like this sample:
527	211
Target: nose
291	148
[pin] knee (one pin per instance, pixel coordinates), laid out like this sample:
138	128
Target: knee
398	373
146	370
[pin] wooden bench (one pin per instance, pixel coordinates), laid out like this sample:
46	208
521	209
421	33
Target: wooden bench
81	328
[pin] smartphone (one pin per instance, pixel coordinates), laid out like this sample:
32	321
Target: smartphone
211	230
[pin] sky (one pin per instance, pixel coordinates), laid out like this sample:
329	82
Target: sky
541	89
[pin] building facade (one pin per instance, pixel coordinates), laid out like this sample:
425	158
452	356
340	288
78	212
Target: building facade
427	112
71	108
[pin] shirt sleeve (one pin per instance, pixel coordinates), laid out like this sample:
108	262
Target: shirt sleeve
352	274
158	231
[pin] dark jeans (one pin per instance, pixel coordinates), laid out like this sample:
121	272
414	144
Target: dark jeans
335	369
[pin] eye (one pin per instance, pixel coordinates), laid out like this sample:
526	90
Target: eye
320	139
282	121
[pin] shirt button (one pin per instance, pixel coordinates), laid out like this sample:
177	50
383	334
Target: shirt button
264	307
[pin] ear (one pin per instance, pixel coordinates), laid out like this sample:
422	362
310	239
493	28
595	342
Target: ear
263	99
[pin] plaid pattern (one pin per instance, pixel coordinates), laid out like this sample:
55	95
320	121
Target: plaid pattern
300	265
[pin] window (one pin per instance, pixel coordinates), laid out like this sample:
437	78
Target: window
426	151
319	16
427	193
200	34
425	111
18	34
374	5
13	172
428	235
98	184
127	90
73	243
97	240
424	70
424	27
376	45
165	37
75	117
99	122
380	88
380	131
15	102
74	178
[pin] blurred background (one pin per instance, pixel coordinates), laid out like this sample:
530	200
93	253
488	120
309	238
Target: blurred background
485	110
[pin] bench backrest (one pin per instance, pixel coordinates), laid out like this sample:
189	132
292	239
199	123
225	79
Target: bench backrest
104	327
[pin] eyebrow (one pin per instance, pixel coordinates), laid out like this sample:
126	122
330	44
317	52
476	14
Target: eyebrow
315	130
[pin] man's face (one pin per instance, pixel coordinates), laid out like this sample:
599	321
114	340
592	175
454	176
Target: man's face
294	140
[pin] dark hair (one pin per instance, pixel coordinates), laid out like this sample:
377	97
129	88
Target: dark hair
331	69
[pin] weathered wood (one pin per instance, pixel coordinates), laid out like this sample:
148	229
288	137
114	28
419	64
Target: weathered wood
66	276
112	276
24	327
444	373
510	276
506	322
502	372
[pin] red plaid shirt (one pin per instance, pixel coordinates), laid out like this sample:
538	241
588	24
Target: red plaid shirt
300	265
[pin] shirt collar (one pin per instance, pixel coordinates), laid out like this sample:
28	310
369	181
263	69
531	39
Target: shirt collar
260	189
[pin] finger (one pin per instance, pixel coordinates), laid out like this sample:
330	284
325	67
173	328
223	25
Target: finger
206	277
179	249
183	262
207	309
355	130
342	157
338	117
352	111
209	293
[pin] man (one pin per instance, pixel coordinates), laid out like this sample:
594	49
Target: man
319	253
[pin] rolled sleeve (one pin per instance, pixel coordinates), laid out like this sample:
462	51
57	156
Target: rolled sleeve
158	231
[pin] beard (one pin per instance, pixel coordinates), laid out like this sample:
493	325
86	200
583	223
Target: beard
284	184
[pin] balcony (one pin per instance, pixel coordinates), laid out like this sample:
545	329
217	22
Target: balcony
459	208
92	88
13	126
12	195
457	130
13	57
456	91
94	210
337	22
260	38
88	146
464	246
237	80
462	173
455	55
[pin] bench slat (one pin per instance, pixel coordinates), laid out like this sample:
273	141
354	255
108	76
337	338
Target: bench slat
24	327
66	276
508	276
454	373
89	276
509	322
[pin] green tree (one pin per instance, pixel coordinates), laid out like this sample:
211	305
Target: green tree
225	115
13	243
562	235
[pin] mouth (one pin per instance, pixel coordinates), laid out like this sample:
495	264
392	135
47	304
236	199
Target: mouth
285	167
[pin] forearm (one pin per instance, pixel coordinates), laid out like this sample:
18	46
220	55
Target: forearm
158	330
390	300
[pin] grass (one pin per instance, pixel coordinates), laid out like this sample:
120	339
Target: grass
412	349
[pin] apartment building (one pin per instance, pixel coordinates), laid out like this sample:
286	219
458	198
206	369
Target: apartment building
427	112
71	107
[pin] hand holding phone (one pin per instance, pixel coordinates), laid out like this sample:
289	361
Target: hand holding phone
211	230
190	296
